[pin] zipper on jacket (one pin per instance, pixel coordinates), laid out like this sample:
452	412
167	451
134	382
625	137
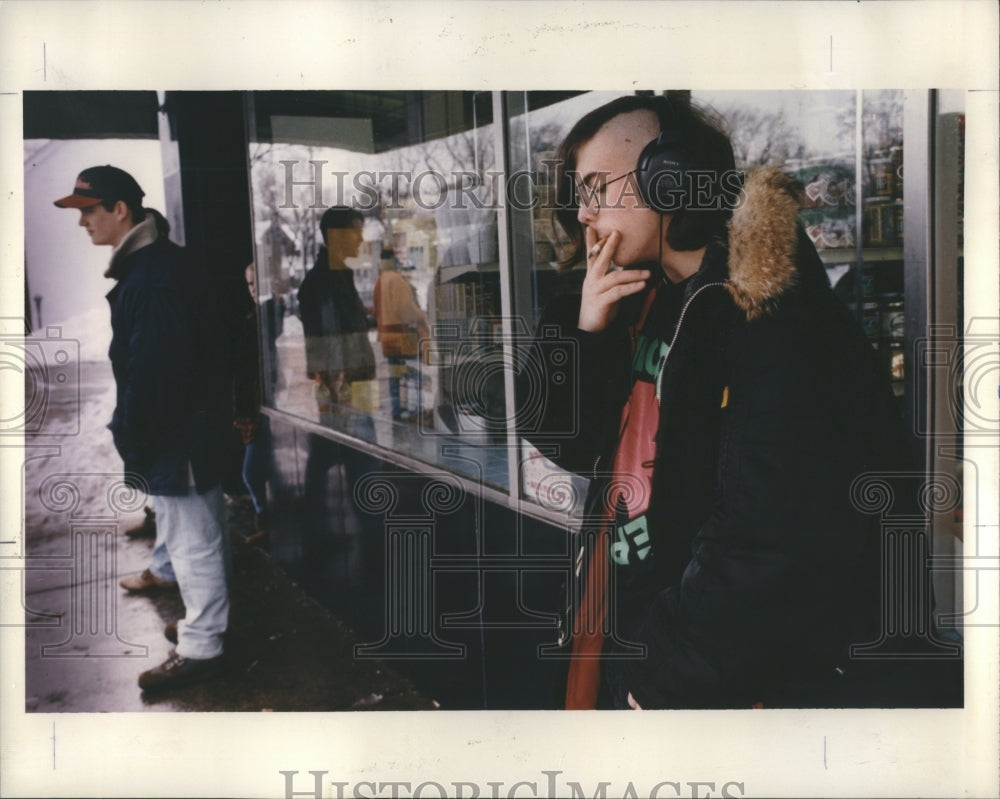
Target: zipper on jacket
677	330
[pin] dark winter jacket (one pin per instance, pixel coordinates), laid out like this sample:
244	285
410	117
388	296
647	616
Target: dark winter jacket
335	323
170	366
770	405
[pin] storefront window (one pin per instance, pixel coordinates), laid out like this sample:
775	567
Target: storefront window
376	318
851	205
451	249
538	123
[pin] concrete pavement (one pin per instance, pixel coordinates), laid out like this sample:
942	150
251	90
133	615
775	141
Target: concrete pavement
87	640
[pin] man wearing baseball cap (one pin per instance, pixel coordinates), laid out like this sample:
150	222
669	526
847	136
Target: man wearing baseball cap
171	417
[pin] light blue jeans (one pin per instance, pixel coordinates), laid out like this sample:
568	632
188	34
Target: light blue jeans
192	547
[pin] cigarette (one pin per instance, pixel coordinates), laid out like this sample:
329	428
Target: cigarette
596	249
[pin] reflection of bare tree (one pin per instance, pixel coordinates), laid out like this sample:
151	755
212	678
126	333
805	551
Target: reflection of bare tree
545	141
471	150
304	221
882	120
260	152
286	227
761	137
468	151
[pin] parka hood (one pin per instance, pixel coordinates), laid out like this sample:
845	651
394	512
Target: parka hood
763	242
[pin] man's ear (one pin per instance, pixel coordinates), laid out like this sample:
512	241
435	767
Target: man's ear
121	211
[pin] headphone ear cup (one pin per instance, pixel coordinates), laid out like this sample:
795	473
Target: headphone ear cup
661	174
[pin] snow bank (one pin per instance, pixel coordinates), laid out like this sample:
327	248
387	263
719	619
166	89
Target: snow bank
91	329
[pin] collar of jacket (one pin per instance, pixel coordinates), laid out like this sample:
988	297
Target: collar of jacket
141	235
763	242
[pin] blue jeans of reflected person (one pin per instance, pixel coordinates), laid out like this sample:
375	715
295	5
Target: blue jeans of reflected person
397	367
401	369
192	544
257	465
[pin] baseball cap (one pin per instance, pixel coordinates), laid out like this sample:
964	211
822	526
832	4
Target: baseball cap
100	183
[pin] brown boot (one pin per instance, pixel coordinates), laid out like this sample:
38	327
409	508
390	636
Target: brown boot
146	583
177	671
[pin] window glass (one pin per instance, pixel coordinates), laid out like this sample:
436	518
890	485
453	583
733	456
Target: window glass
538	123
380	326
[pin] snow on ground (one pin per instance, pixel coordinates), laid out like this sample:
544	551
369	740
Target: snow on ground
91	330
75	450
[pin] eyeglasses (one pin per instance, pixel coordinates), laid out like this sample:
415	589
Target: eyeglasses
589	197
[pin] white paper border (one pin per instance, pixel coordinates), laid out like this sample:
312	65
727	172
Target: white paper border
512	45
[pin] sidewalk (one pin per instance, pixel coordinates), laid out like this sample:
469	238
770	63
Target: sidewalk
87	640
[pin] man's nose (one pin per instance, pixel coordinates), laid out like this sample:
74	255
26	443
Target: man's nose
584	215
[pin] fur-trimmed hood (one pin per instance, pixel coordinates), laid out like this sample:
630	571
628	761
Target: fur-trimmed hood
763	242
141	235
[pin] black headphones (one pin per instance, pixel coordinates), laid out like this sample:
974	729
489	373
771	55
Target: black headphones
661	173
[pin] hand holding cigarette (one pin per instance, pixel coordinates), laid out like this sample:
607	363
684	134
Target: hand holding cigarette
605	284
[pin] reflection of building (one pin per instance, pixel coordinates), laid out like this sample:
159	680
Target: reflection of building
501	552
275	249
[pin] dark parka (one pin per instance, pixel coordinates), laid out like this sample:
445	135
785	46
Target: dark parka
771	405
171	369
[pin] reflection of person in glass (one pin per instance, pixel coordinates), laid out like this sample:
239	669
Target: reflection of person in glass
341	362
252	424
401	327
271	313
339	356
727	402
